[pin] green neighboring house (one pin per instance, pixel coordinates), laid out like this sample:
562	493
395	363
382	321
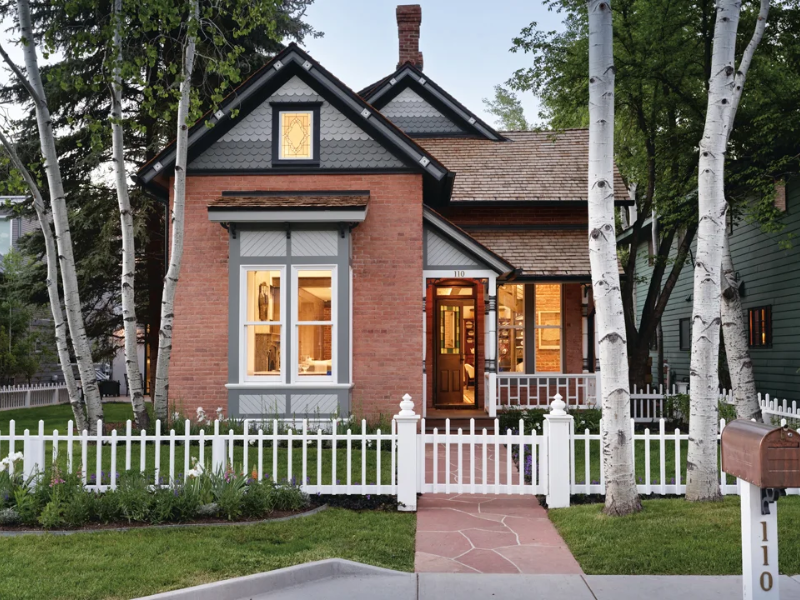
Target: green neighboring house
770	277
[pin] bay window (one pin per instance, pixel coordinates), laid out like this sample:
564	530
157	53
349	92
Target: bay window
307	338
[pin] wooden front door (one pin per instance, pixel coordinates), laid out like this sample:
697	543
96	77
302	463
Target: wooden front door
450	351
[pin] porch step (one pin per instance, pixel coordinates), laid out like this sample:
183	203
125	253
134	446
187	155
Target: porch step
459	418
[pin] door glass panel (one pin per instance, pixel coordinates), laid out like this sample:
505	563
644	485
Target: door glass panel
450	330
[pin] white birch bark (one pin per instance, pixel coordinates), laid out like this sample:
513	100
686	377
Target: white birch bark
621	494
62	346
702	482
734	323
161	395
129	321
69	280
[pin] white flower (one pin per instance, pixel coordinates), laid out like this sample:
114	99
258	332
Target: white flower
219	410
201	415
197	471
251	441
176	416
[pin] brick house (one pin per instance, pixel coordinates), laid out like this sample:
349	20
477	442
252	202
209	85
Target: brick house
343	249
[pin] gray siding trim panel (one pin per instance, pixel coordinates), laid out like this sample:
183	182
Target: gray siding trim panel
440	252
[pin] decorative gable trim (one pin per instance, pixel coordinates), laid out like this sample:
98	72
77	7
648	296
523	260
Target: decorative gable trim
290	63
381	93
463	248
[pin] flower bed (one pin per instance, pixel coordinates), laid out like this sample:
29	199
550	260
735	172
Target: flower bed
62	502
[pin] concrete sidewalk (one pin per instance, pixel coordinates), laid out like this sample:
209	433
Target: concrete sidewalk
344	580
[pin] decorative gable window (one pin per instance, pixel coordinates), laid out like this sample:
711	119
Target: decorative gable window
295	134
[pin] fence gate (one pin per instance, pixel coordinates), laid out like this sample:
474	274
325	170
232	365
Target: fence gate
454	461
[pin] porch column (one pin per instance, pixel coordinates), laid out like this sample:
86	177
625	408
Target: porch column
490	344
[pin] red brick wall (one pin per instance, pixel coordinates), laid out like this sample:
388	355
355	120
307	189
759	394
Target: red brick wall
387	265
515	216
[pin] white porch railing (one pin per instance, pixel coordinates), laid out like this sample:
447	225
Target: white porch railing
26	396
521	390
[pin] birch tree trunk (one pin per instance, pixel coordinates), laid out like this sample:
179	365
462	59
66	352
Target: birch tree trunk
734	323
62	346
161	396
702	482
69	280
129	321
617	444
735	327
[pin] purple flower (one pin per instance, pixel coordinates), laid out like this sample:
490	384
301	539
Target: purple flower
368	496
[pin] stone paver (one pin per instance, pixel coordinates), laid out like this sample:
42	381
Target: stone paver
498	534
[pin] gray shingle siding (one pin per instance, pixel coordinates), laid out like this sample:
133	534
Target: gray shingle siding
771	277
248	145
411	113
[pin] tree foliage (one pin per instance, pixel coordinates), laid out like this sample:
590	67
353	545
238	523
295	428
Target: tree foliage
508	110
662	53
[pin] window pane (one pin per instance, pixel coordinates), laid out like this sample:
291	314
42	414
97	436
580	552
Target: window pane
548	350
5	236
454	291
512	350
511	303
263	349
449	330
296	128
314	291
263	296
314	349
548	328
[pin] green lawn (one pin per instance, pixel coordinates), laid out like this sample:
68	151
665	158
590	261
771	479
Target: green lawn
671	537
141	562
56	417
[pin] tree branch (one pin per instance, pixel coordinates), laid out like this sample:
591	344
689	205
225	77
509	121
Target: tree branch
22	79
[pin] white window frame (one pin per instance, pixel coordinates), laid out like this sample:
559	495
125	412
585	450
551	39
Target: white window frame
295	324
243	324
310	114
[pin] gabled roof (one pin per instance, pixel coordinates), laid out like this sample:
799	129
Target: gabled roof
380	93
532	166
291	62
465	241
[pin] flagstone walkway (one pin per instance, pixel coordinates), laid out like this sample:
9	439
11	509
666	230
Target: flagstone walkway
474	533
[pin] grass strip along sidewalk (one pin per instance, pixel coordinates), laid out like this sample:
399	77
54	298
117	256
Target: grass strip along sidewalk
671	537
142	562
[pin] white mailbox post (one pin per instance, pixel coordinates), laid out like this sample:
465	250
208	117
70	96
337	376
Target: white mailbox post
759	542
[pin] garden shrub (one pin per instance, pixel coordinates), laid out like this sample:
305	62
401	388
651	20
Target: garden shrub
533	420
62	501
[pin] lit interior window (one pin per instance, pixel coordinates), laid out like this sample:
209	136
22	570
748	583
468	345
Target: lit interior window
511	318
315	323
296	135
263	323
548	328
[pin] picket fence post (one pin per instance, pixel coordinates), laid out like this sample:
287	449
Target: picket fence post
33	459
558	453
407	464
219	456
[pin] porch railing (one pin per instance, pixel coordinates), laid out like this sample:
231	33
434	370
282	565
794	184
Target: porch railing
520	390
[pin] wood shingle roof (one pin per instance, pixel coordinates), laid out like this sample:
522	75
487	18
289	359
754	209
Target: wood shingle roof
538	166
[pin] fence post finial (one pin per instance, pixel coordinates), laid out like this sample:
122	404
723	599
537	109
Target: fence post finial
557	406
407	407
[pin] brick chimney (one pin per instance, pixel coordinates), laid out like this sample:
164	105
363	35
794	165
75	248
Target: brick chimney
409	18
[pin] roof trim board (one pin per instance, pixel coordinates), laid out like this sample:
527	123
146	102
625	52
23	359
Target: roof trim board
294	62
380	93
297	215
466	242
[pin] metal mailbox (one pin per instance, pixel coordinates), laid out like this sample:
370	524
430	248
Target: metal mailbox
766	456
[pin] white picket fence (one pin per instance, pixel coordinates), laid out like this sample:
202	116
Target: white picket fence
26	396
270	452
401	461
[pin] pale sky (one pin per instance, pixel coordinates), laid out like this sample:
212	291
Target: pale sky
465	43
